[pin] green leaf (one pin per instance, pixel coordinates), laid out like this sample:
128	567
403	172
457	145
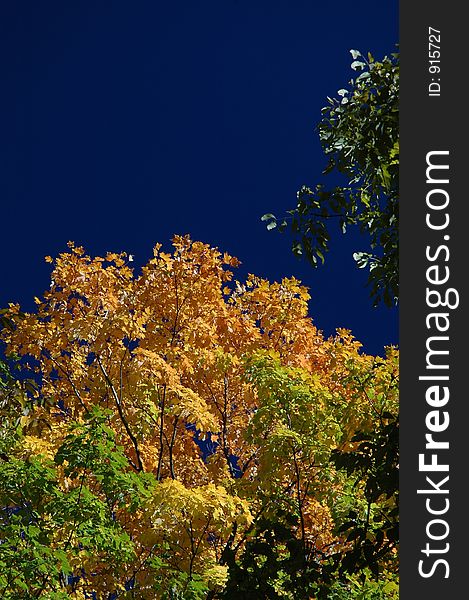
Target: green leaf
358	64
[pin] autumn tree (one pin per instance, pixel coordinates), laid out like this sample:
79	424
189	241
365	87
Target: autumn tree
179	435
359	133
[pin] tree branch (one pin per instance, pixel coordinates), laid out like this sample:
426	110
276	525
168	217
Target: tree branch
121	414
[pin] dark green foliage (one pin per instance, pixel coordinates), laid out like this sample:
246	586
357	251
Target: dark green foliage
374	533
359	133
273	564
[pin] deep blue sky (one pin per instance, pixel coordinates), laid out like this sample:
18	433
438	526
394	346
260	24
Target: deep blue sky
123	123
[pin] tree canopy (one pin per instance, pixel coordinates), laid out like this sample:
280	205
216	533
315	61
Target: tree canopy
176	433
359	133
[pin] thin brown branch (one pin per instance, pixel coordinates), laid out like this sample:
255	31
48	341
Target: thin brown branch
161	435
69	379
121	414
